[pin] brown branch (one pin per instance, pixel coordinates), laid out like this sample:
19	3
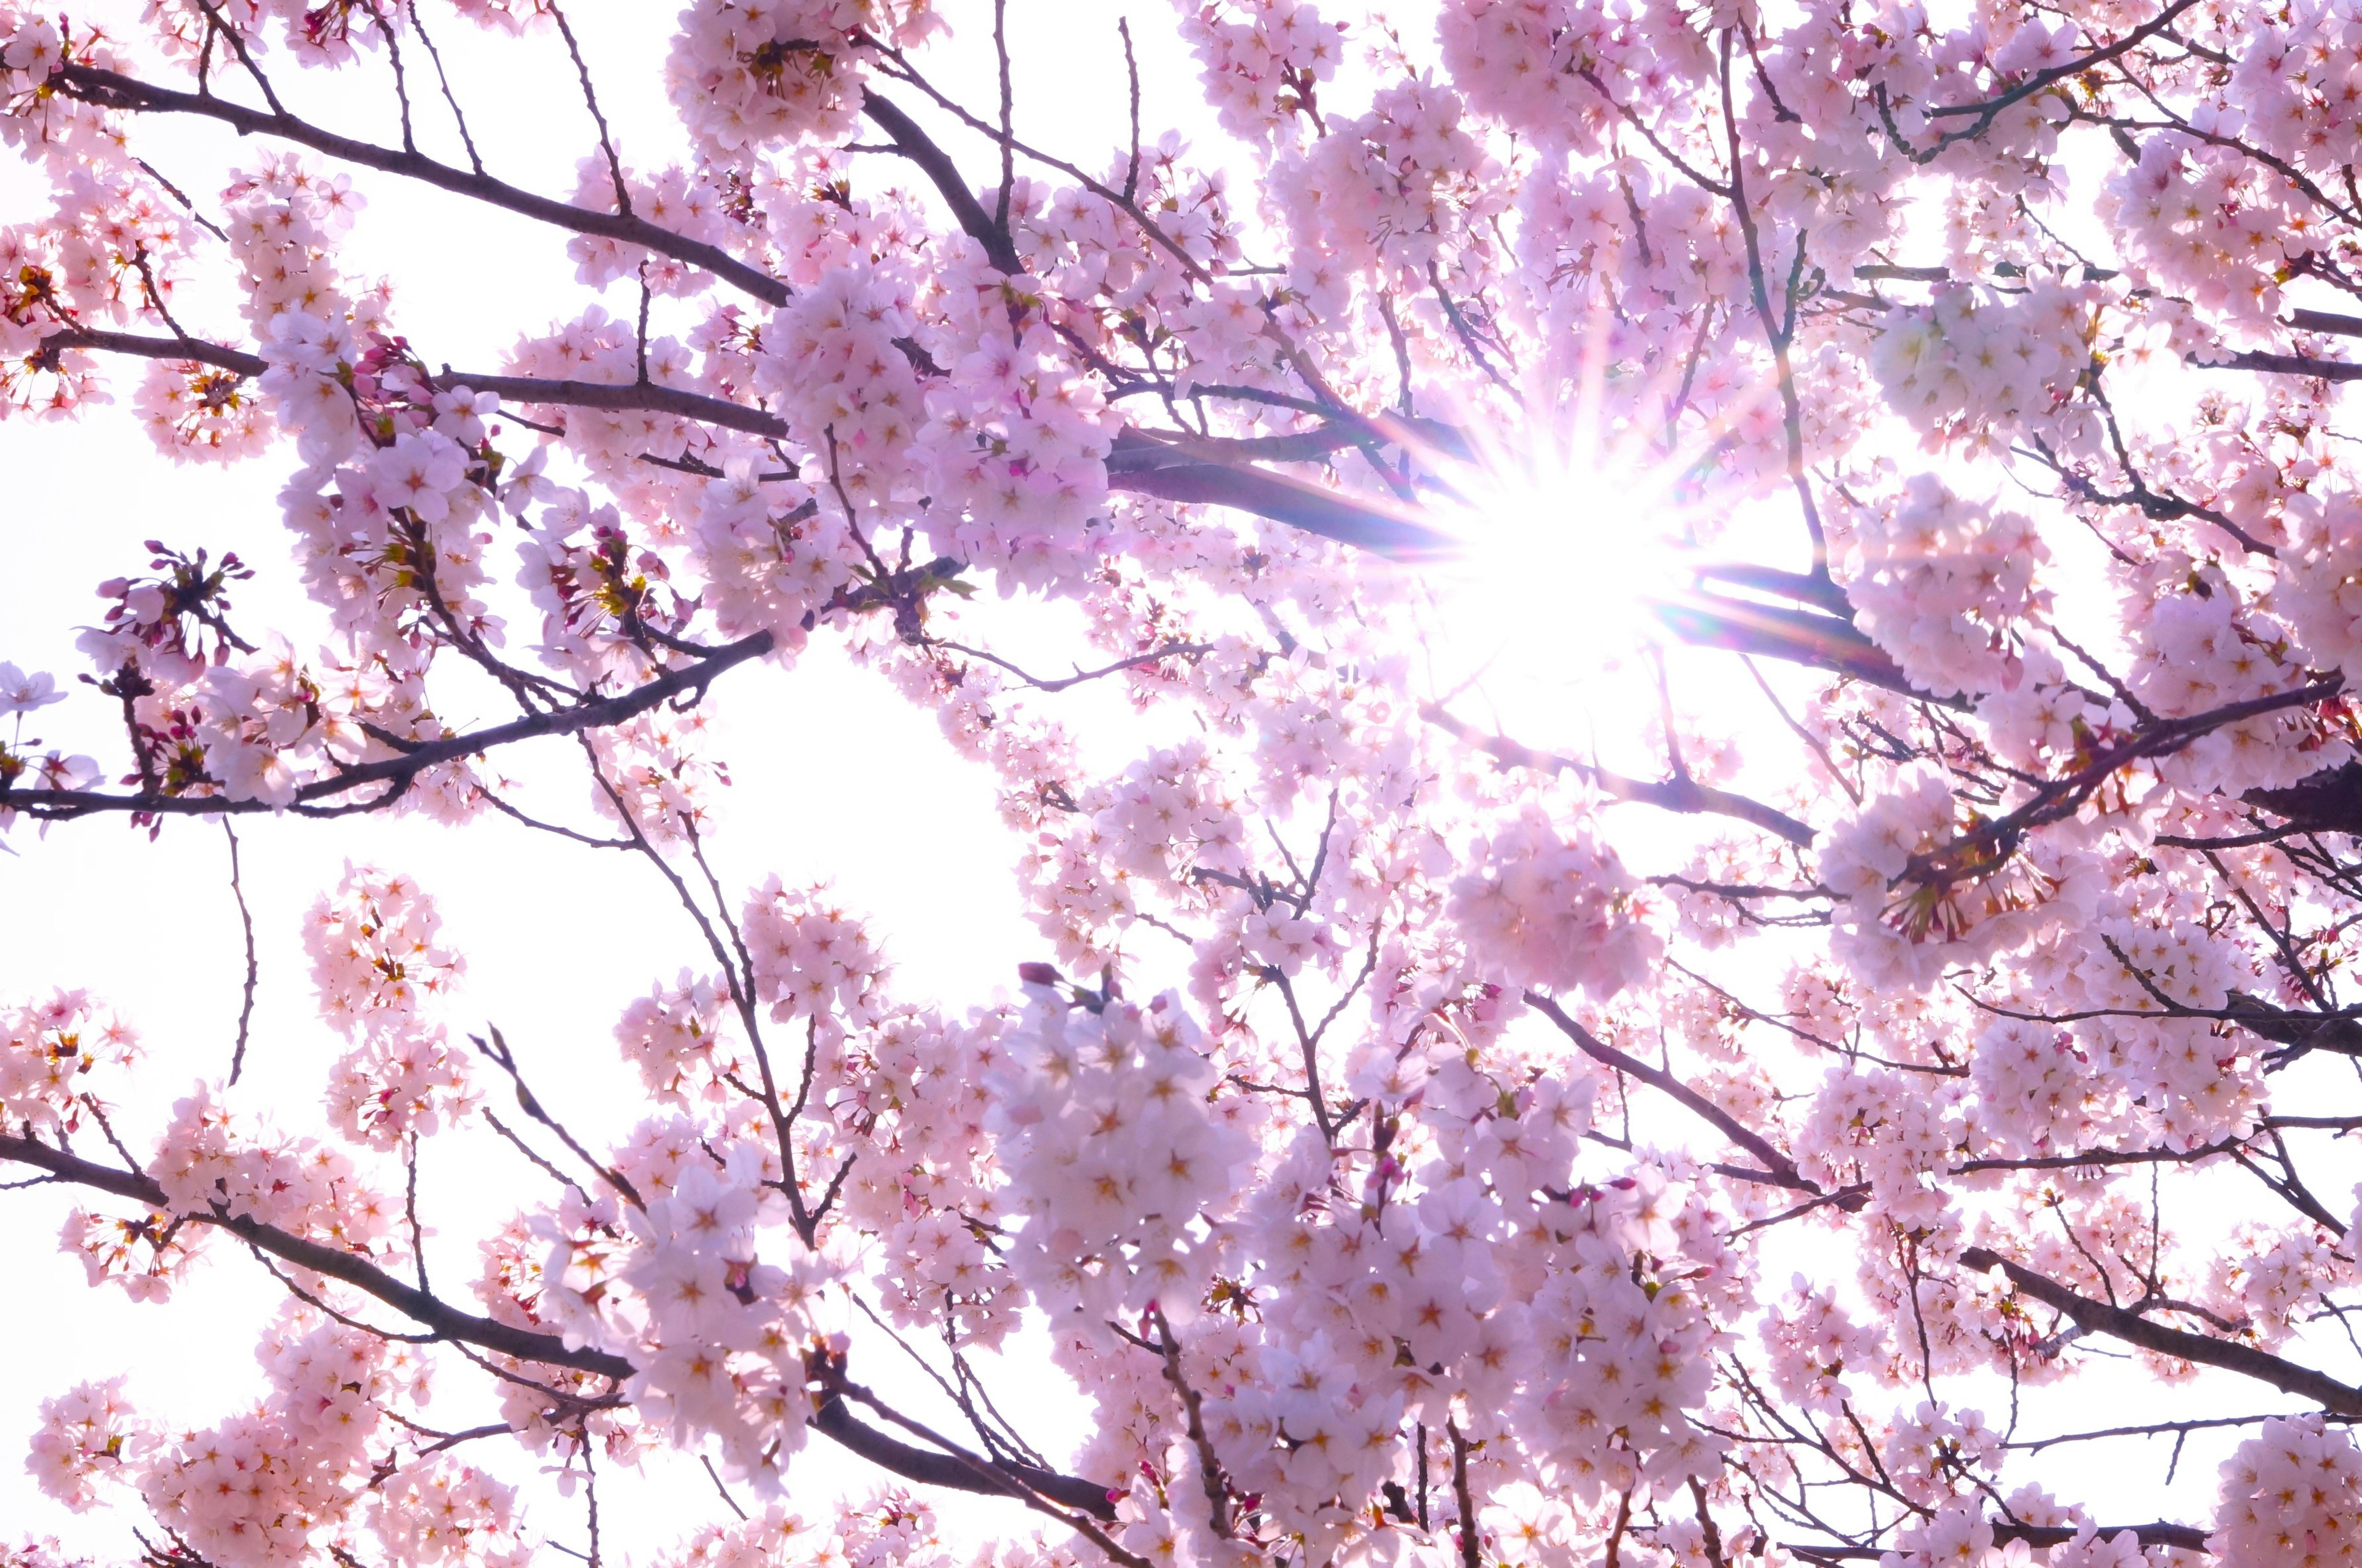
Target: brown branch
918	147
55	805
961	1471
1681	794
648	397
2284	365
112	90
190	349
831	1420
2187	1538
253	971
445	1320
2059	797
2099	1317
1779	1168
1211	1474
1381	527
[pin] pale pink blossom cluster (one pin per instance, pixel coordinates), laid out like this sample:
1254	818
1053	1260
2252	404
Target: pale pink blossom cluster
812	959
2036	1088
269	1483
658	775
90	1435
1400	187
746	73
1261	60
2292	1494
720	1336
2209	226
436	1513
833	361
2268	1278
695	202
1884	1130
1105	1131
52	1050
1946	585
377	957
923	1092
269	725
1547	909
677	1039
1814	1343
201	413
2318	590
1977	365
770	553
212	1159
1919	894
887	1530
1017	436
2199	647
1522	58
382	974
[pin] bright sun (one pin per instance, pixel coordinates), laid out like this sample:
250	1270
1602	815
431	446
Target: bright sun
1547	609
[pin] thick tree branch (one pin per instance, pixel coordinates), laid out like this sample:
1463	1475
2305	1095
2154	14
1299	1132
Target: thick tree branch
835	1421
2284	365
1381	527
334	1263
920	149
621	397
112	90
195	349
2327	802
2102	1318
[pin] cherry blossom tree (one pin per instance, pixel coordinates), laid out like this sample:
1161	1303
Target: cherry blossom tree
1424	1137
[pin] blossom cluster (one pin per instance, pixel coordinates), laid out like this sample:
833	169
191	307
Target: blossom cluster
381	969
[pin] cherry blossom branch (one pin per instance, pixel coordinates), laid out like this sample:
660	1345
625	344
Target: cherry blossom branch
1383	527
2099	1317
1211	1474
1778	1168
197	349
1779	331
2285	365
949	183
1060	683
1472	1551
2058	798
253	972
1824	641
2036	1445
1680	794
1386	528
648	397
2187	1538
334	1263
956	1471
1987	110
689	681
112	90
497	1052
953	1466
